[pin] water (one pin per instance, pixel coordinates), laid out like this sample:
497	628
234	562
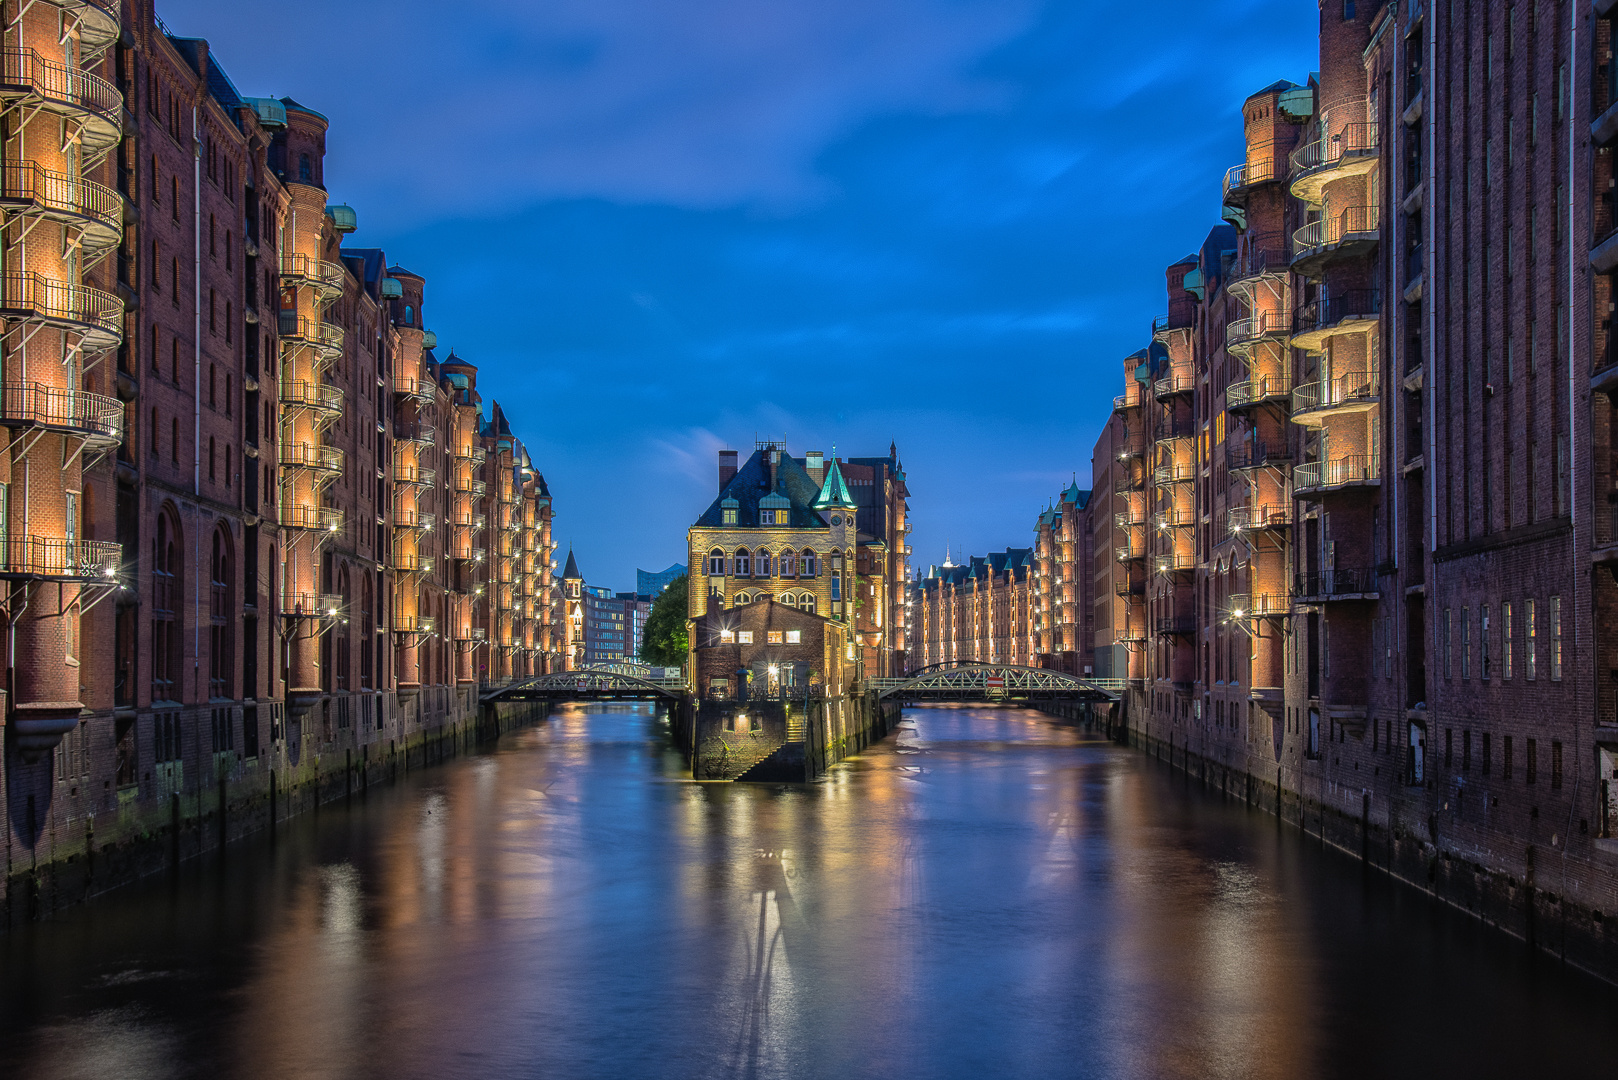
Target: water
987	894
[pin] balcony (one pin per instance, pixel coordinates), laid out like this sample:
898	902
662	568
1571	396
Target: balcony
412	563
97	419
1261	606
414	624
1133	399
1247	332
466	485
1126	584
1355	311
413	519
1128	518
312	518
51	559
1129	553
1180	319
1169	429
413	474
323	337
1174	563
95	210
325	459
1354	470
1348	392
326	278
1176	626
1174	517
419	433
1165	475
1324	585
1126	479
1256	454
1261	167
1267	516
474	522
1261	265
422	390
1251	393
304	394
1345	234
1167	386
97	106
97	26
96	316
1351	152
309	605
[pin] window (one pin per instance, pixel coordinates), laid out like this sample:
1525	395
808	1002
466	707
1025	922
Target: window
174	440
1486	748
1531	642
1556	637
806	602
1483	642
1466	643
744	637
794	637
1466	751
744	564
788	564
1508	646
727	637
716	563
1556	765
809	568
1449	654
305	171
761	564
775	637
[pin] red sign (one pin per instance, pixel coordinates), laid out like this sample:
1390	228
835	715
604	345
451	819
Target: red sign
995	682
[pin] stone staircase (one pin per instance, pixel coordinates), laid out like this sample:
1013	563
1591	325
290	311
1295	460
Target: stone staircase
783	765
731	754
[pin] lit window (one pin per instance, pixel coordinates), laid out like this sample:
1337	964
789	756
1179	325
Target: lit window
794	637
727	637
775	637
744	637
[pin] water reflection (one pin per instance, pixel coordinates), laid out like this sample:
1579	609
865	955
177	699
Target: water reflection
986	894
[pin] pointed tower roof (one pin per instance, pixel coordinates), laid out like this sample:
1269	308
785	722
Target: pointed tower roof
571	570
834	492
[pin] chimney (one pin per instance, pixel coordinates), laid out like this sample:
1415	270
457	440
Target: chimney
814	463
727	467
775	462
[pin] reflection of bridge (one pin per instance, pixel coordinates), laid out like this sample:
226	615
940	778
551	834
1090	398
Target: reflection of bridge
604	682
995	682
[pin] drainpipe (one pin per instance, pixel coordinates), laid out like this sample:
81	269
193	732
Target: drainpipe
196	398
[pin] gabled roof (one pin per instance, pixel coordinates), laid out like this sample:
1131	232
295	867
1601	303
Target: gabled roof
834	492
751	485
571	570
1077	496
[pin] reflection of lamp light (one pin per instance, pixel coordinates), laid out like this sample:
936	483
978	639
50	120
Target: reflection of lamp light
774	670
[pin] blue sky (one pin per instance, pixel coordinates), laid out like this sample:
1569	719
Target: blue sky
660	227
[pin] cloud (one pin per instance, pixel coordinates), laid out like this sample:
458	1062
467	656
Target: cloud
693	103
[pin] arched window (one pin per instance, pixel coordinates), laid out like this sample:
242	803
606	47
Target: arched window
211	473
790	600
166	600
716	563
305	172
221	639
761	564
789	564
744	564
810	569
743	598
806	602
367	630
410	316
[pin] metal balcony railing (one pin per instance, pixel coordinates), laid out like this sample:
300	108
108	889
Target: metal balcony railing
309	456
1261	166
60	559
1350	469
1355	140
61	89
1176	625
1175	473
322	336
1249	392
1249	606
1129	517
1173	383
1174	517
420	434
412	519
1327	232
412	387
1348	389
317	518
97	418
96	315
306	394
413	474
311	605
1336	582
1131	399
1252	329
412	562
1322	315
96	209
414	624
1263	255
1256	454
326	277
1264	516
1174	563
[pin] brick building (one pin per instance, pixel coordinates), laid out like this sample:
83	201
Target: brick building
828	536
1368	552
1064	607
981	611
249	515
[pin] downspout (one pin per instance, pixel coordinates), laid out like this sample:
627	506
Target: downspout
1572	387
1430	361
196	397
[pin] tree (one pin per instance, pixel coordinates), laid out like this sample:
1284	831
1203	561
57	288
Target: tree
665	639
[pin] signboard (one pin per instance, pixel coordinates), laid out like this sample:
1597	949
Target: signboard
995	682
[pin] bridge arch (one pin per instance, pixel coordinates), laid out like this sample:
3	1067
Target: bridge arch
605	682
972	681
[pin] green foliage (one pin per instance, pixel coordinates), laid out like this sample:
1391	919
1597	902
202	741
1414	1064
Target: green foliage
665	640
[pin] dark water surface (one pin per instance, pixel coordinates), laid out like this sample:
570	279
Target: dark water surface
987	894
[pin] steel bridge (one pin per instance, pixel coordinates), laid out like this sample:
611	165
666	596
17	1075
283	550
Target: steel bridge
995	682
604	682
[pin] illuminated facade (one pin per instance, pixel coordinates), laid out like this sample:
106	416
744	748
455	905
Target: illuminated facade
981	611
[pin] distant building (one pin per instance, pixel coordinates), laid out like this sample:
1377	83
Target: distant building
613	625
978	612
650	584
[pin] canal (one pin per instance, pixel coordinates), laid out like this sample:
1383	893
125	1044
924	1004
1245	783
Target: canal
987	894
